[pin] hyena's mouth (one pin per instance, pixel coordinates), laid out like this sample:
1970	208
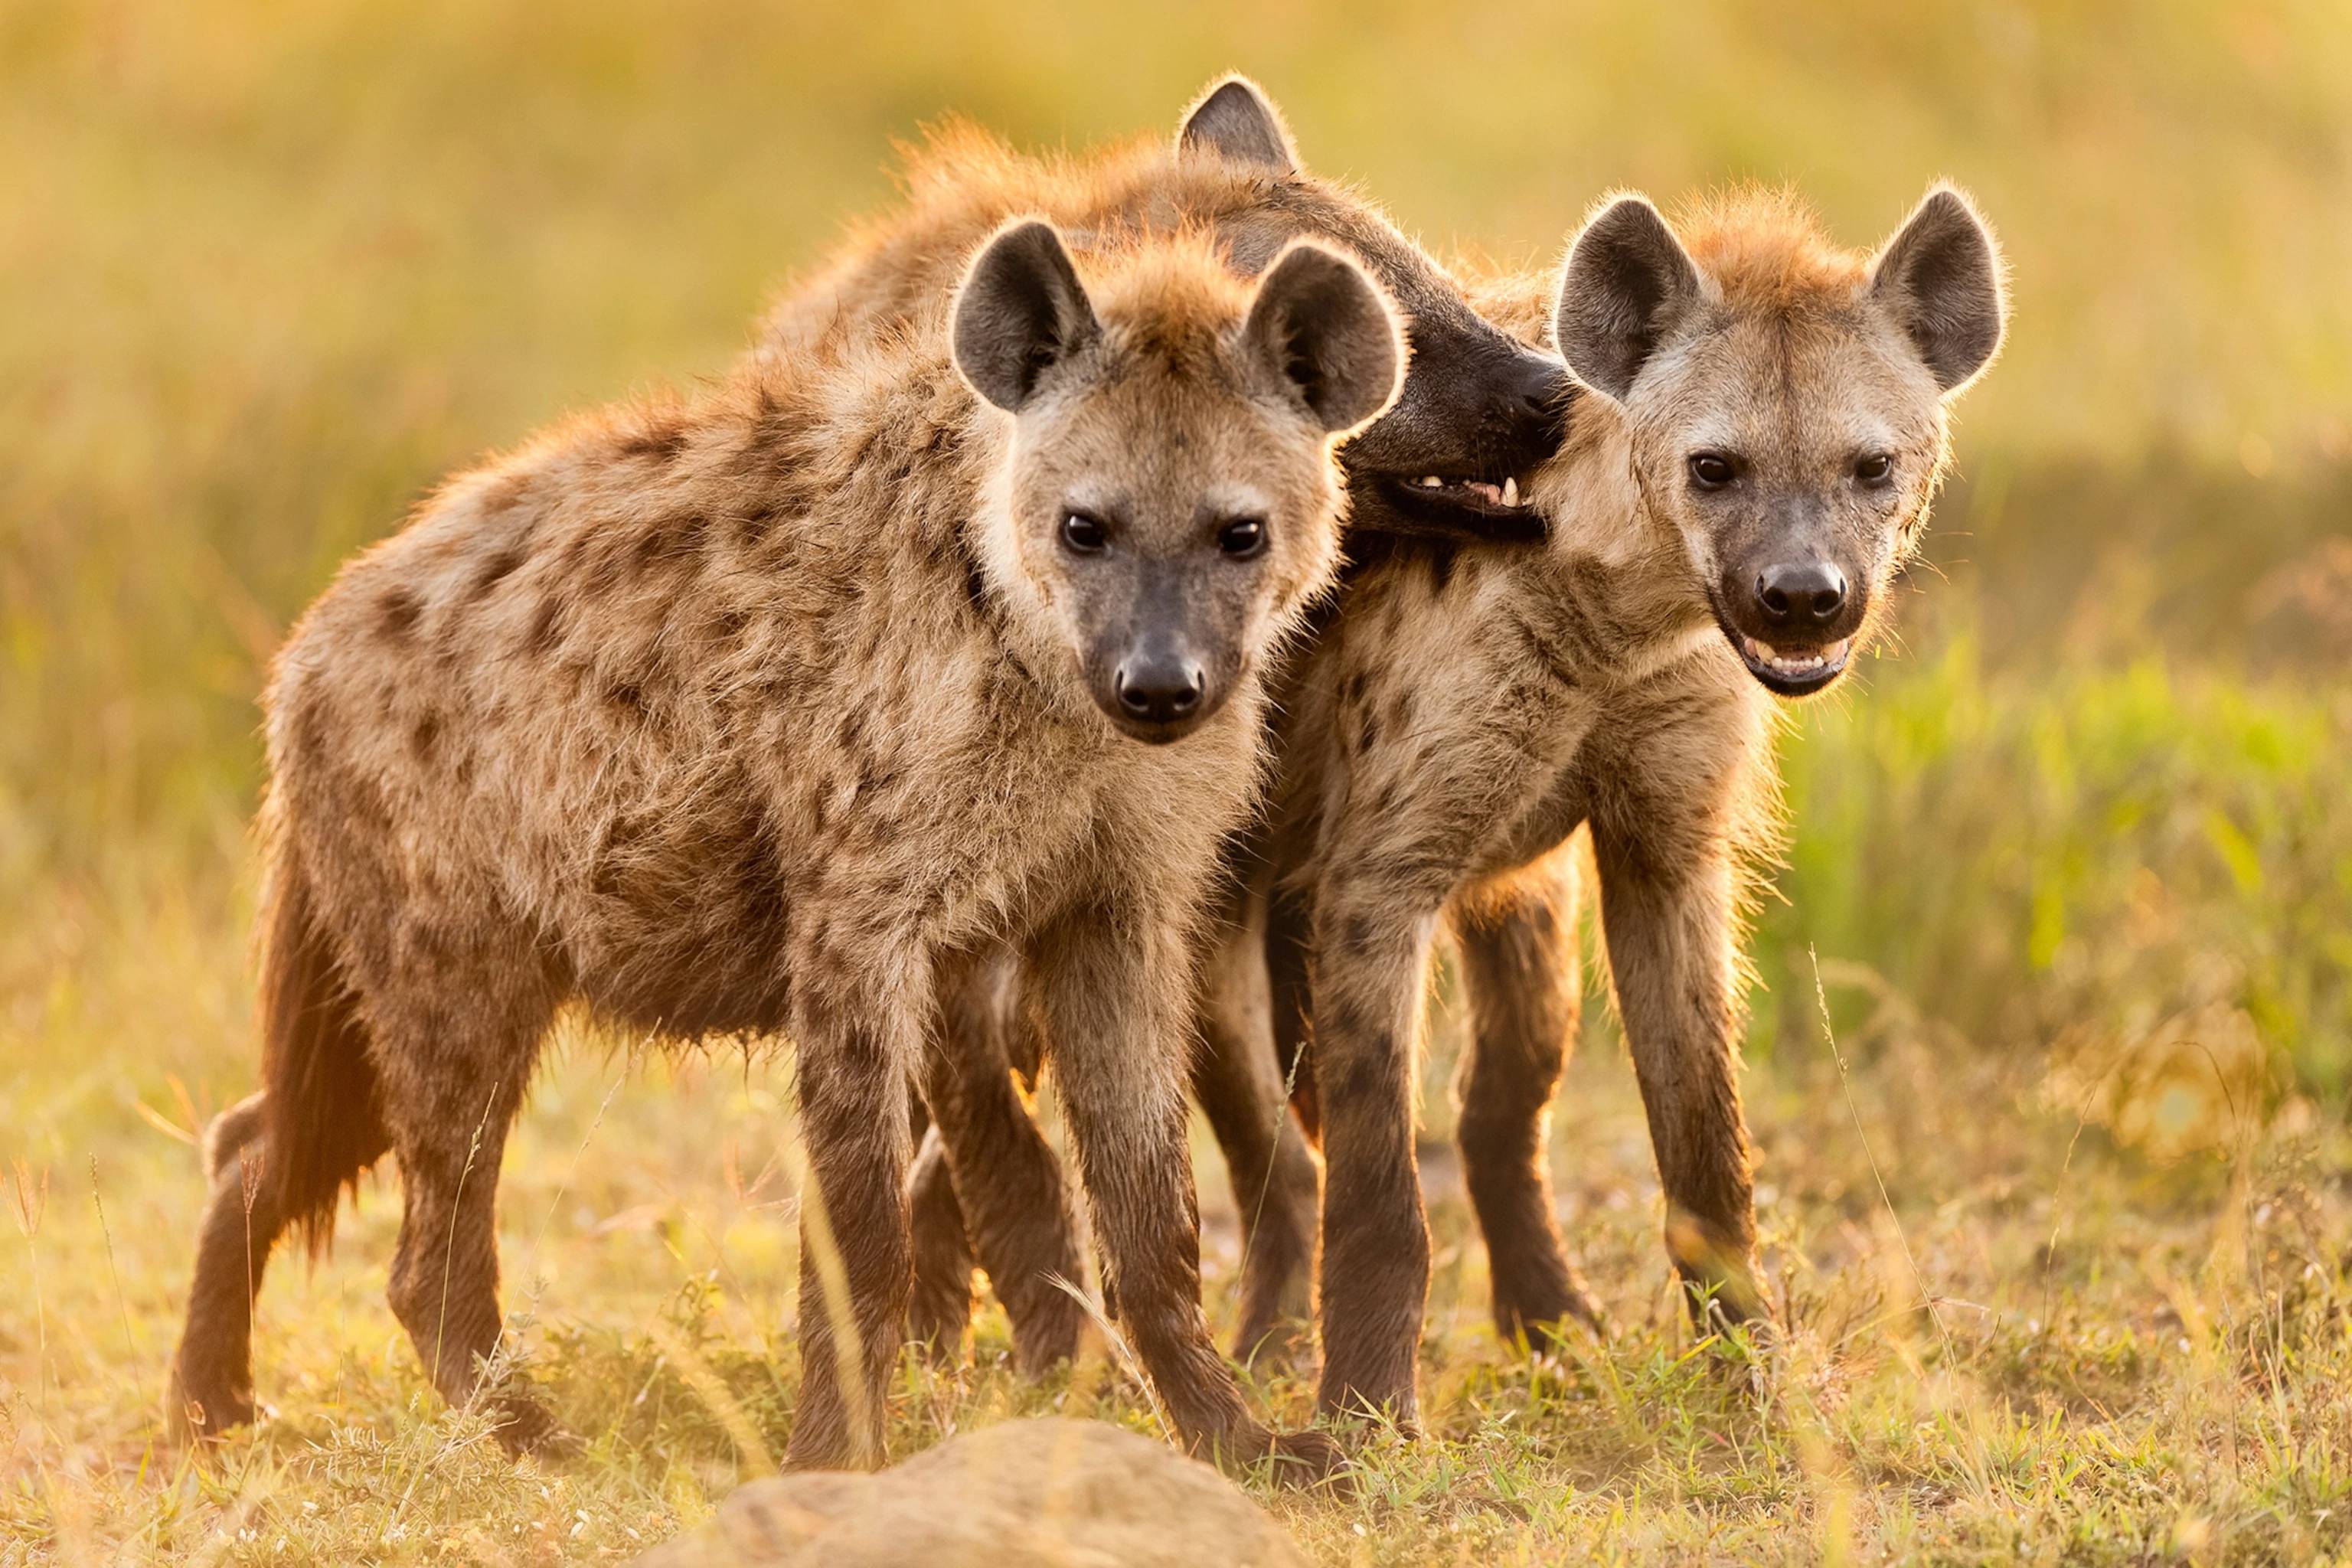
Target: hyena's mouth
1478	506
1793	671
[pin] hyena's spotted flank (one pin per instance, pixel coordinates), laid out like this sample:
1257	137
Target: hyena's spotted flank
763	713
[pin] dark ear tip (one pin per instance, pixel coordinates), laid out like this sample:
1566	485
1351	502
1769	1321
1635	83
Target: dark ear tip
1233	87
1310	258
1947	203
1628	219
1312	262
1022	242
1032	234
1236	119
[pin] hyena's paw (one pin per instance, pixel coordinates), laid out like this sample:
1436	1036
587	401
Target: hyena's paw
1536	1313
524	1426
200	1410
1046	1323
1288	1459
1308	1460
1747	1344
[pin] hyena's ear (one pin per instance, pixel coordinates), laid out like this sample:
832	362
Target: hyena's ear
1321	321
1236	120
1627	281
1940	278
1021	311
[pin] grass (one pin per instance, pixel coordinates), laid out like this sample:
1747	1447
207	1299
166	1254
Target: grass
2041	1341
2060	1247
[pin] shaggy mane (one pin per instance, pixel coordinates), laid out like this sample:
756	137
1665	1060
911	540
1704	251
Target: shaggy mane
1765	247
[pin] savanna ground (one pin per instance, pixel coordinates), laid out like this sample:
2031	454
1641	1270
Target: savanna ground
2060	1232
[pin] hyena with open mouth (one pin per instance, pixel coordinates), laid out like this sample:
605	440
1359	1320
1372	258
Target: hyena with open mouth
767	713
1766	432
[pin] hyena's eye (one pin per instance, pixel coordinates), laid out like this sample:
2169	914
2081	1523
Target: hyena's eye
1242	538
1083	534
1875	468
1712	470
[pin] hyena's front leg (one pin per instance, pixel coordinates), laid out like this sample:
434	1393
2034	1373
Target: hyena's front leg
1112	987
451	1091
1371	960
1013	1205
1519	973
855	1254
1671	931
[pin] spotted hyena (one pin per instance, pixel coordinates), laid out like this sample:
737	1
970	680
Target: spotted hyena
1764	433
766	712
1480	409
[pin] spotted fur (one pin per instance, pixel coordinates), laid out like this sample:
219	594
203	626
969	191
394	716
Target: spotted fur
767	712
1467	718
1475	401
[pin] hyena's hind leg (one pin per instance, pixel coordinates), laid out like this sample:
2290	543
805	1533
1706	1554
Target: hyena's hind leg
278	1159
453	1050
211	1376
1517	946
1013	1202
1276	1183
939	1309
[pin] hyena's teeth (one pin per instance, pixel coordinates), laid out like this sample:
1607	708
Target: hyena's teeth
1794	661
1433	483
1511	492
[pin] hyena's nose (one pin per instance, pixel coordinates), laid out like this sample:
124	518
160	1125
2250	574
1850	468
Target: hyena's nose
1158	687
1540	417
1808	593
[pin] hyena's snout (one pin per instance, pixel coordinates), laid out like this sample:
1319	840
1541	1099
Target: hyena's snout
1793	612
1165	662
1158	682
1159	685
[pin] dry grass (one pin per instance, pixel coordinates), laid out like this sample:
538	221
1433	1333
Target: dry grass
2035	1342
2077	862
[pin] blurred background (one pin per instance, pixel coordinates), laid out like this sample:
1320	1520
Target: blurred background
269	269
2073	854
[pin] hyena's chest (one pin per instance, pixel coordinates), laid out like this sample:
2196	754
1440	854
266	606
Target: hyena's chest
1462	734
1554	800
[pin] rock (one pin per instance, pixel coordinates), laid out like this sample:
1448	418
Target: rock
1071	1494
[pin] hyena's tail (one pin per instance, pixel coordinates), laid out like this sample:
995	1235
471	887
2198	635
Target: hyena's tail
320	1115
278	1159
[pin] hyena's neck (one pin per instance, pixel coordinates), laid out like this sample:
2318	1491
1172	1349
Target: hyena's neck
1616	574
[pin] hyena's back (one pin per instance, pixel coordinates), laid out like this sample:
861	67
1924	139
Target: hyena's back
602	719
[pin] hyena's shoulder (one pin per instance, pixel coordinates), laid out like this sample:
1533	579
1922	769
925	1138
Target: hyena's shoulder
1685	756
1429	664
635	578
